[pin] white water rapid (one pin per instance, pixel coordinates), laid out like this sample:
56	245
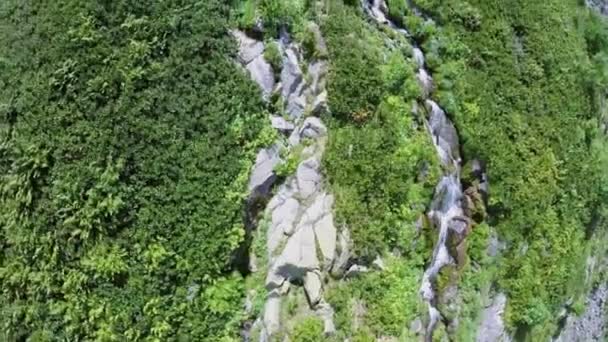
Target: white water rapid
446	209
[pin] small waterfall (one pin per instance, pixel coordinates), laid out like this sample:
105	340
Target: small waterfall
446	210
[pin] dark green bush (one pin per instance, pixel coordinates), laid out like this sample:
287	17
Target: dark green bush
397	9
126	137
518	90
355	87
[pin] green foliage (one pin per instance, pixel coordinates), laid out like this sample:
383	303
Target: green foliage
272	54
397	10
376	151
308	39
290	164
518	89
127	134
374	170
389	299
247	16
308	330
355	84
395	73
475	282
277	13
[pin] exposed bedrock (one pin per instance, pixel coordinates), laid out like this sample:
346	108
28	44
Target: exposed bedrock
302	244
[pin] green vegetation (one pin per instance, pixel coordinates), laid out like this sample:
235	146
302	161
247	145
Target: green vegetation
126	134
382	169
380	162
273	55
383	302
355	81
273	14
521	80
475	282
397	10
308	330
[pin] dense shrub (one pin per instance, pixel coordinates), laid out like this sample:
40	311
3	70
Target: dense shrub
374	169
355	87
397	10
519	93
127	134
308	330
385	302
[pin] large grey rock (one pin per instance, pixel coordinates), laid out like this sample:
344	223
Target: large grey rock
341	260
298	257
379	263
313	128
356	270
319	105
280	124
320	217
292	80
262	175
325	232
261	72
326	313
416	326
284	216
286	191
249	48
317	71
317	91
598	5
313	287
492	328
272	313
251	55
308	176
317	209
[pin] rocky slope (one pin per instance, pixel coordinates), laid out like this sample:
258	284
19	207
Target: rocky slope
302	247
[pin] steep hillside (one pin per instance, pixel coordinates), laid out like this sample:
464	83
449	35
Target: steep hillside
303	170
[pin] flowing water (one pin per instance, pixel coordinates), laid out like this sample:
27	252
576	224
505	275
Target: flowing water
447	201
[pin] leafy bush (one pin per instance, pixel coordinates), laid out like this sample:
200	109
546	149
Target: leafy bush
127	136
272	54
397	10
517	79
308	330
247	16
355	84
377	193
389	299
277	13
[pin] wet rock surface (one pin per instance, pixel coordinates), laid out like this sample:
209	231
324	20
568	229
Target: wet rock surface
447	213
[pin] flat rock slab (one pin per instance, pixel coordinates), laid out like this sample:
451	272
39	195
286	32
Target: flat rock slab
263	176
